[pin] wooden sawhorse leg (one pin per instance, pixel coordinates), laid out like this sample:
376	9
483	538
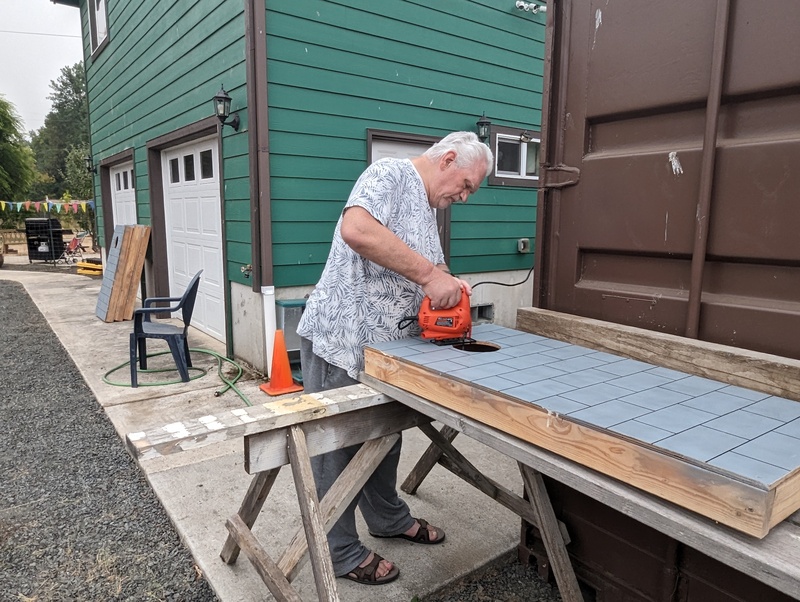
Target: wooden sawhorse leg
317	518
553	542
538	512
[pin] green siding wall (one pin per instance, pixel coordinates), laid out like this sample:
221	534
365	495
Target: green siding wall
338	68
163	63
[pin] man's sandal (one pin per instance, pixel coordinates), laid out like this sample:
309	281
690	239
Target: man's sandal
367	574
422	536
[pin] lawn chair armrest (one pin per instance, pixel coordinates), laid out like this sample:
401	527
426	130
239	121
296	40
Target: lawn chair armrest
150	300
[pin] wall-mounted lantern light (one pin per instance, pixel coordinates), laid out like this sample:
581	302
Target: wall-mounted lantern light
89	163
483	125
222	109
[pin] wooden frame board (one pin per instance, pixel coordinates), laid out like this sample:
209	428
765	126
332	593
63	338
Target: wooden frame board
471	384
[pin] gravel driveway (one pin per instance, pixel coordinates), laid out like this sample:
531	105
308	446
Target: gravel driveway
77	519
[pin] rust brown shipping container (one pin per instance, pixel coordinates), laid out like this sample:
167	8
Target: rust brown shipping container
670	200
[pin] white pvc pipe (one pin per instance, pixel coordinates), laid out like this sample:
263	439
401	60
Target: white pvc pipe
268	301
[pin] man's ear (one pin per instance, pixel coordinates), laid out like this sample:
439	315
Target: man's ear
447	159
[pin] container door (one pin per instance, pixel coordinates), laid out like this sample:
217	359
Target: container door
670	154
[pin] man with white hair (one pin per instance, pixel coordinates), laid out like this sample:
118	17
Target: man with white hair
385	256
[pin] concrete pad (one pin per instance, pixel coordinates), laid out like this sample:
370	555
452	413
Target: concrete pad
201	497
201	488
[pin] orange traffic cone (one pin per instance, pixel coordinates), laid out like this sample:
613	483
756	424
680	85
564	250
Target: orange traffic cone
280	380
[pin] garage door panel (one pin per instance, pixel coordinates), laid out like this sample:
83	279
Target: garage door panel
194	231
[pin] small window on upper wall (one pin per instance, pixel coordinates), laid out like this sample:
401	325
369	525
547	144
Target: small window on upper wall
98	20
516	156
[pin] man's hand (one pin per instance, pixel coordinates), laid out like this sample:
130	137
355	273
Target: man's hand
445	290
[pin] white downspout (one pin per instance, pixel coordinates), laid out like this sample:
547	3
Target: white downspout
268	299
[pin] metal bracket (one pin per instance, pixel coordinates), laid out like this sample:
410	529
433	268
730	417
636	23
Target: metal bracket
560	176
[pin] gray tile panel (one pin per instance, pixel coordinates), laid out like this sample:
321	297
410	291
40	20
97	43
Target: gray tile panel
718	402
701	443
676	418
791	428
473	373
595	394
744	424
530	375
539	390
608	413
564	353
559	404
748	467
624	367
527	361
656	399
641	431
695	385
776	407
641	381
584	378
577	364
746	393
496	383
668	373
773	448
746	432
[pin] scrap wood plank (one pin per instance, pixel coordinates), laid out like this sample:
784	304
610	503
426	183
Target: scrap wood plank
118	288
225	424
112	260
730	499
742	367
771	560
140	238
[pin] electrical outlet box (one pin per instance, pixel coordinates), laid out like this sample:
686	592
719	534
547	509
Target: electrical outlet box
523	245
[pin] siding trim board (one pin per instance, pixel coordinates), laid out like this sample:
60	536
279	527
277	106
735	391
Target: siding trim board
258	143
158	238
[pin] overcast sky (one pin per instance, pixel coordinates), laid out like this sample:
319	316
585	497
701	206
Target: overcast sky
37	39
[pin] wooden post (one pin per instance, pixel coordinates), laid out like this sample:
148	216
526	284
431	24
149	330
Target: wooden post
426	463
251	506
338	497
321	563
270	573
548	527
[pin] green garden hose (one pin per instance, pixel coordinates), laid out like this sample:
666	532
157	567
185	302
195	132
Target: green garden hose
229	384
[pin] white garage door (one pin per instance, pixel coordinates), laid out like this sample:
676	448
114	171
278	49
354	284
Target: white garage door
123	195
194	229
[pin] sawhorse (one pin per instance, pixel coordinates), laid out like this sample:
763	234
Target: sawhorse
375	425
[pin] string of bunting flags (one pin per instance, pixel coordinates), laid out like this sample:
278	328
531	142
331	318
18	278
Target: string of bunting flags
48	206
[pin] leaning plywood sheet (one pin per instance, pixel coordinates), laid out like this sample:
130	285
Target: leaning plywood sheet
728	453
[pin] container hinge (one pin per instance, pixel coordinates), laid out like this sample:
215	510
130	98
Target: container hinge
560	176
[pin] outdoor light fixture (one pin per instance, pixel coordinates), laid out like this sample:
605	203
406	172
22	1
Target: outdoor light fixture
483	125
222	109
90	168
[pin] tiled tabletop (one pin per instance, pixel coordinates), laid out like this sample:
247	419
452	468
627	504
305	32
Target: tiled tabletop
752	434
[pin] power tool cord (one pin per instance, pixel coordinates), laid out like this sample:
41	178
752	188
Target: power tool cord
229	383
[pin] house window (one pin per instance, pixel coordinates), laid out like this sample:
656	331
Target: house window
98	19
516	156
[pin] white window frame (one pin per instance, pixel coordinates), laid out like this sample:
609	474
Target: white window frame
98	20
522	138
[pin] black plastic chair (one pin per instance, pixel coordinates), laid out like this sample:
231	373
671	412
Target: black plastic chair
175	336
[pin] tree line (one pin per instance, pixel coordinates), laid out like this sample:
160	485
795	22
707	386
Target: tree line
51	162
